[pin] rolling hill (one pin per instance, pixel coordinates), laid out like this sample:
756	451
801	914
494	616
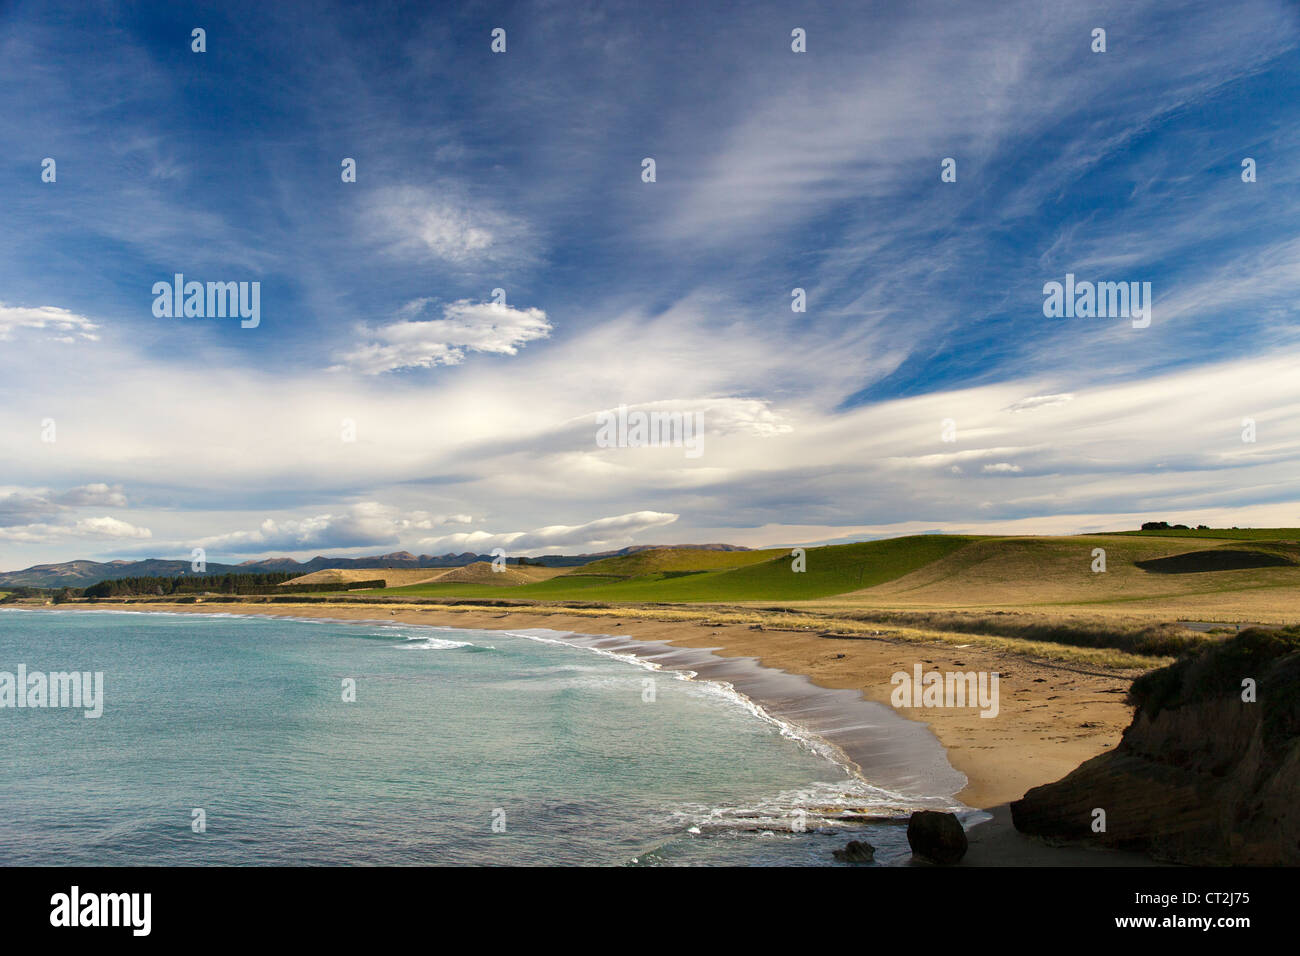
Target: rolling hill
753	576
994	572
82	573
927	572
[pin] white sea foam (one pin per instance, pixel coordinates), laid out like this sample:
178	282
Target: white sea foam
818	806
425	643
723	689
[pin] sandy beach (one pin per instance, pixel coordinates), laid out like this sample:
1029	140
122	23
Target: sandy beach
1052	717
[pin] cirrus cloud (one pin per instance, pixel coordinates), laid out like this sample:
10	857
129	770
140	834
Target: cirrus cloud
418	223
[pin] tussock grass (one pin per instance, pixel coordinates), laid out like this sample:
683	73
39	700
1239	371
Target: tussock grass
1136	636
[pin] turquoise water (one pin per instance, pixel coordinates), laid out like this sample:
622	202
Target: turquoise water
451	731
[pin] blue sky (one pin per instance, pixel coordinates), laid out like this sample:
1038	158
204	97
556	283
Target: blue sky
521	170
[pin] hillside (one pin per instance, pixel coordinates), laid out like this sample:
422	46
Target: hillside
996	572
1025	588
764	576
82	573
482	573
392	577
1159	594
663	560
1014	588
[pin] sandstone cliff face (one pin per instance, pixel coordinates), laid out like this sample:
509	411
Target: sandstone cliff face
1200	776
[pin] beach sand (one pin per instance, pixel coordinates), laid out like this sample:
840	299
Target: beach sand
1052	717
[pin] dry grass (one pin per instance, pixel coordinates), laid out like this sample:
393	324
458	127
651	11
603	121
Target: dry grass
392	577
481	572
478	573
1029	572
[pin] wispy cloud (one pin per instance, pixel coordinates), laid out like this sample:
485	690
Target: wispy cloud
522	172
66	325
103	527
465	326
606	533
453	229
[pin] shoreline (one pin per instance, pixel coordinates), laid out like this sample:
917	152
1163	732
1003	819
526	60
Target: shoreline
1037	738
883	749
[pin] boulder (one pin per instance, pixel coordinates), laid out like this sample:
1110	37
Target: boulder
938	837
856	851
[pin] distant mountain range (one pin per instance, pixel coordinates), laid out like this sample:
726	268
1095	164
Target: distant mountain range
76	574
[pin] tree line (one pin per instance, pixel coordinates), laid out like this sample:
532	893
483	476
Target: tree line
229	583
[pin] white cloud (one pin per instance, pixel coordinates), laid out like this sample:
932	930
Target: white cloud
101	527
434	521
19	506
516	441
962	85
419	223
46	317
464	326
601	534
364	524
1039	401
107	527
96	495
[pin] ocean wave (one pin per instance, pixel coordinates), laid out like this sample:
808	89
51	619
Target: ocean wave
425	643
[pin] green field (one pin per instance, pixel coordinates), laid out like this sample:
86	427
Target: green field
712	576
1250	574
677	559
1032	594
1161	591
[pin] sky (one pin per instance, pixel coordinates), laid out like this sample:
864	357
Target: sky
388	398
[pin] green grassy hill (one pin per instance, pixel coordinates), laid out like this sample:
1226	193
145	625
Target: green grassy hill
660	560
1058	570
926	571
702	577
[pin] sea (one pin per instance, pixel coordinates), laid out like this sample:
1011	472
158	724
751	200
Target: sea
238	740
